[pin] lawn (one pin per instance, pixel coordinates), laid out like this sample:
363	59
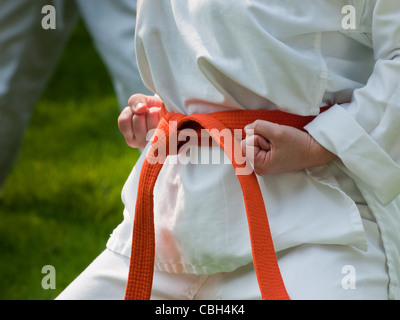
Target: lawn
63	198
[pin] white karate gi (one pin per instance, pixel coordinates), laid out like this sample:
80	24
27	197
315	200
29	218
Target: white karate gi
29	54
206	56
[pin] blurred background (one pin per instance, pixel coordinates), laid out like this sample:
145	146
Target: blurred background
63	197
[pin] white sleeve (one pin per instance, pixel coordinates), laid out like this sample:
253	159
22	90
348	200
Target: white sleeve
365	133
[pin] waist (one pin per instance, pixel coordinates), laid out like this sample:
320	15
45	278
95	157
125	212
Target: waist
238	119
180	129
176	130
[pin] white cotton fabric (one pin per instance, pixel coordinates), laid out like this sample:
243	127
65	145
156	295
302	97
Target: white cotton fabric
295	56
105	278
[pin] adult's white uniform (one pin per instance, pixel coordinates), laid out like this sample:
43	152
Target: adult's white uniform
29	54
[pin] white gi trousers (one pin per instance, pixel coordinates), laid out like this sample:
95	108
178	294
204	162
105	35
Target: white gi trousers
310	272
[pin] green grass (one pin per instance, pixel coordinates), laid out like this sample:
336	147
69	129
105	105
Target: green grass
63	198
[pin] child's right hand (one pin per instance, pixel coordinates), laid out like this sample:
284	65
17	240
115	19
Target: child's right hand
141	116
273	148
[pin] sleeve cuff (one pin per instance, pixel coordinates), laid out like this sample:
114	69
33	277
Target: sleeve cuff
339	132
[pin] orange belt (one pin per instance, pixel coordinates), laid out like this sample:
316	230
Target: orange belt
143	240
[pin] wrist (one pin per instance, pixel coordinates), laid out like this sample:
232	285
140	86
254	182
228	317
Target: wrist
319	155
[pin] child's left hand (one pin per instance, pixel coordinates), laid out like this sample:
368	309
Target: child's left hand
272	148
141	116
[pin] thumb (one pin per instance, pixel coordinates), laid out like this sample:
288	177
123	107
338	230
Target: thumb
138	104
263	128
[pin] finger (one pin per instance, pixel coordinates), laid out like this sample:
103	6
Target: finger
125	125
139	130
250	149
154	101
152	118
264	128
256	142
261	142
257	151
138	103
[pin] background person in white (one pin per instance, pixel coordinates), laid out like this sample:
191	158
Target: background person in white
29	54
206	56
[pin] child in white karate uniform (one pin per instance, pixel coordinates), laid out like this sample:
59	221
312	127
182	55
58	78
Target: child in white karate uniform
331	194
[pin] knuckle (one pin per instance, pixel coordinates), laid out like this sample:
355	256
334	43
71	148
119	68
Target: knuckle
279	132
125	115
131	100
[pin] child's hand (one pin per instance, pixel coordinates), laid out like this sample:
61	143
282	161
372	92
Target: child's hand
272	148
141	116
